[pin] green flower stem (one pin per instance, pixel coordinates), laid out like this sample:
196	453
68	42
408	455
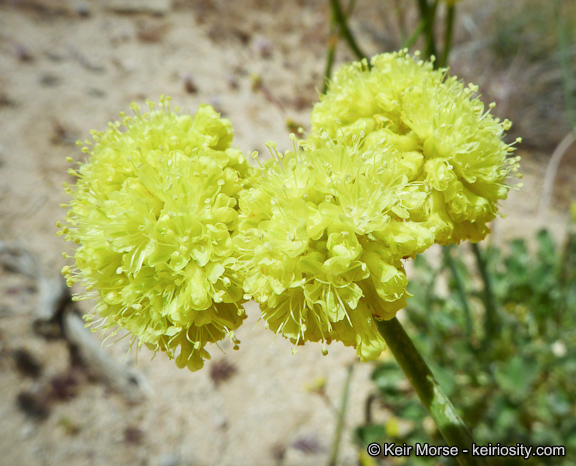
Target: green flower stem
448	28
399	9
567	276
332	43
341	418
408	43
460	287
429	391
491	322
344	30
427	14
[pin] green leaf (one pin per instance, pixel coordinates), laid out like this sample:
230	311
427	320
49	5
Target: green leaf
370	433
388	378
546	246
517	376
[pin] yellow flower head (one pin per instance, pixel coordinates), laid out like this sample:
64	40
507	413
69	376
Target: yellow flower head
152	213
322	236
437	128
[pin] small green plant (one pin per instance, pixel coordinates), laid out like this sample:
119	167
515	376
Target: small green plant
517	388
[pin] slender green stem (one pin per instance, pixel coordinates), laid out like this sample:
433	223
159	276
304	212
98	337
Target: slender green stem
415	35
332	42
431	35
433	398
341	418
569	85
460	287
567	73
566	276
448	29
489	299
399	6
423	6
344	30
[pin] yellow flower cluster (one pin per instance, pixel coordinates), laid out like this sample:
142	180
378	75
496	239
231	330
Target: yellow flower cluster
322	235
437	127
153	211
176	230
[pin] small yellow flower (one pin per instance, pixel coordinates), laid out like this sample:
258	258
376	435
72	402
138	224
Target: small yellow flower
152	211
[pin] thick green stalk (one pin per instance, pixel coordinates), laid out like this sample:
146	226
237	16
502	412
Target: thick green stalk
344	30
431	395
448	29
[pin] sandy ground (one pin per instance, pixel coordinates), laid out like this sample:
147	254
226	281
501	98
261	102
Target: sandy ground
69	66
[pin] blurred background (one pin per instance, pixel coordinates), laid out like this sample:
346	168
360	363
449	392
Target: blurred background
69	66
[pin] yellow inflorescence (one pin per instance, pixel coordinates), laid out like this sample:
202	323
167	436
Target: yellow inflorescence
175	229
323	235
153	211
437	127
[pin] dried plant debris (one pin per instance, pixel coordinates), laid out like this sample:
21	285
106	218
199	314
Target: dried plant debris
233	82
62	134
26	364
307	444
33	405
189	82
6	100
133	434
221	371
23	53
278	452
37	403
50	80
64	387
263	47
43	8
86	63
70	427
157	7
151	29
